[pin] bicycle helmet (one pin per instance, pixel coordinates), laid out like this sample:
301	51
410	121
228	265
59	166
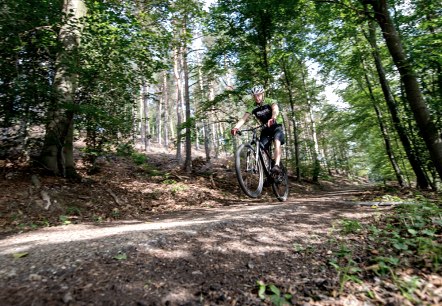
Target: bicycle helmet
258	89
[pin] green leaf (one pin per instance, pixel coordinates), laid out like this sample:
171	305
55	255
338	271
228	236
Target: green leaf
275	290
428	232
262	290
120	256
412	231
20	255
400	246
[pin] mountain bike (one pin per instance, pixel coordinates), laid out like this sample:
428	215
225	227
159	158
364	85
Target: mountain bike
253	164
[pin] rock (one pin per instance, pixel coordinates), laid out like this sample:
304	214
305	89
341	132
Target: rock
67	298
35	277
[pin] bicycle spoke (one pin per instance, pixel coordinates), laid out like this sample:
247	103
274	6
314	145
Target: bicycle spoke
248	171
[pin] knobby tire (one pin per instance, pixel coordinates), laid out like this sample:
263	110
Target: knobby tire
280	185
249	171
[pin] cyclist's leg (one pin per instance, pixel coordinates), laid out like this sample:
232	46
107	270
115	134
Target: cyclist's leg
277	153
266	138
279	140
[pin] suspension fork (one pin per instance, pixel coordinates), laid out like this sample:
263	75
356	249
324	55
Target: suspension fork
255	141
257	148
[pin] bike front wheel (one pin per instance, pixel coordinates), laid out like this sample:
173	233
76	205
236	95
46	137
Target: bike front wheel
280	185
249	171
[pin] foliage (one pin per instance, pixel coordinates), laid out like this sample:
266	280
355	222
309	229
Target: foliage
117	55
402	240
273	294
125	149
289	46
350	226
139	158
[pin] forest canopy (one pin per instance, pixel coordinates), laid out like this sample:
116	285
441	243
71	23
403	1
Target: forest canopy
176	74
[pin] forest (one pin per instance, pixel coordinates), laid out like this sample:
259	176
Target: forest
116	152
359	83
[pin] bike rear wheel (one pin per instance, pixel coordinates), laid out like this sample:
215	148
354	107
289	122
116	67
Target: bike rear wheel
280	185
249	171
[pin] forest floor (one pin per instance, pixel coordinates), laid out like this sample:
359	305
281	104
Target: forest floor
149	234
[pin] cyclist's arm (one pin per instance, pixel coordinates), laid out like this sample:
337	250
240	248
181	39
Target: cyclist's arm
275	111
242	121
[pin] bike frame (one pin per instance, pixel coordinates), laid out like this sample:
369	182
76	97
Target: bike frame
260	151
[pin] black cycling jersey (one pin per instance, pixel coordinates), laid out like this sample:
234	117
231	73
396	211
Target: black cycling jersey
263	112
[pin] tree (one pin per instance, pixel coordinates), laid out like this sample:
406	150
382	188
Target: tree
422	181
57	152
427	128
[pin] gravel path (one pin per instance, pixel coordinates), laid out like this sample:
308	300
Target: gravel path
195	257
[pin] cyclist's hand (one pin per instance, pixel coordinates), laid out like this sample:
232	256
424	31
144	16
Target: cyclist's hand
271	122
234	131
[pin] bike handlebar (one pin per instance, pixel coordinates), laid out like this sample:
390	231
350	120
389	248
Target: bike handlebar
239	132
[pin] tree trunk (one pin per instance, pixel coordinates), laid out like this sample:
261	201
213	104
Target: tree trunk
57	152
207	134
179	88
427	128
142	126
215	135
421	179
316	152
166	110
294	123
146	118
189	124
158	119
385	136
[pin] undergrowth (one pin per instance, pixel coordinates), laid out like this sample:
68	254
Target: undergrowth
399	250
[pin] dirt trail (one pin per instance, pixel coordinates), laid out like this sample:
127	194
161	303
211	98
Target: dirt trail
195	257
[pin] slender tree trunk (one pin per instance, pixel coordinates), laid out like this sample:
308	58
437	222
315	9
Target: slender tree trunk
142	125
188	161
421	179
208	144
197	136
216	137
207	134
145	122
166	110
316	152
385	136
294	123
179	89
427	128
158	120
57	152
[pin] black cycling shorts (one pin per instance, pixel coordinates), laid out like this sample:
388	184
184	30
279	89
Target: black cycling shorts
270	133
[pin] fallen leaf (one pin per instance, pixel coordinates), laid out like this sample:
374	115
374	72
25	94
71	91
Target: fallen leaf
20	255
121	256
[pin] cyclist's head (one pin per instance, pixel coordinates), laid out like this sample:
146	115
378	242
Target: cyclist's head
257	93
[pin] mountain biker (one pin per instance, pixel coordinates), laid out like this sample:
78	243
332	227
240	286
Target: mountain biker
267	112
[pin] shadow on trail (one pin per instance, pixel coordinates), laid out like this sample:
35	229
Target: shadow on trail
195	257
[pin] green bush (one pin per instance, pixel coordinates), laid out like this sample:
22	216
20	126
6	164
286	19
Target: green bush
139	158
125	149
